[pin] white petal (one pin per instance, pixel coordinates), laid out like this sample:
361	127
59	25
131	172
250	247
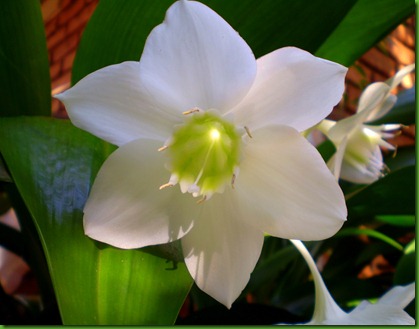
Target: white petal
113	104
126	209
285	180
399	295
292	88
325	306
373	97
399	76
387	311
390	100
222	250
373	314
382	109
335	162
362	161
360	173
198	59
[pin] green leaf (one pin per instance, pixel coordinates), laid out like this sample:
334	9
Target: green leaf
269	25
398	220
115	33
25	87
371	233
410	247
326	150
405	156
392	195
405	269
118	29
53	164
368	22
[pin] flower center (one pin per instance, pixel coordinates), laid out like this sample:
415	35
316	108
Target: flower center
204	154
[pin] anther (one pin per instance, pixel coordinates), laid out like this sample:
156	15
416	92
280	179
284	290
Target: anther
163	148
193	110
165	185
233	179
248	132
201	200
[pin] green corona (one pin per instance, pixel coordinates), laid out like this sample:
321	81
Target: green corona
204	153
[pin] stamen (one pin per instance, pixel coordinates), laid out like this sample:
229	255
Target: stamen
193	110
165	185
395	152
233	179
248	132
201	200
386	169
163	148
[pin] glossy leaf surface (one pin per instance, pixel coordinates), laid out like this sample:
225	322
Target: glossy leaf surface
53	165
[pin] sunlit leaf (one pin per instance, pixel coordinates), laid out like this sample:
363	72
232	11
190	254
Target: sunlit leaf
410	247
53	164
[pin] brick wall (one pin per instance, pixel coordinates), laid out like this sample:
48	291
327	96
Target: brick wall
64	23
378	64
66	19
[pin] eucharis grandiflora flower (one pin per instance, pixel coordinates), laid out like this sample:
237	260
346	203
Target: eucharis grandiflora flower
358	156
388	310
200	112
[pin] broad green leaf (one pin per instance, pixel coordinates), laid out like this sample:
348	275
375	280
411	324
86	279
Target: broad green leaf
392	195
368	22
268	25
371	233
24	70
115	33
53	164
118	29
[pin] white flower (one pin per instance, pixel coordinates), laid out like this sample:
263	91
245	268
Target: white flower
200	96
358	157
388	310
